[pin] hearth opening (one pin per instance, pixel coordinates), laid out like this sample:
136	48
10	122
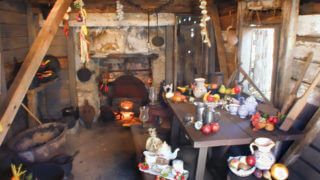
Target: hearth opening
124	83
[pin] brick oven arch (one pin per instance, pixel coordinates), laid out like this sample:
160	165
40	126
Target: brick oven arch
129	86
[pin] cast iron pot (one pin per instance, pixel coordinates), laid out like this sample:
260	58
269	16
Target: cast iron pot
40	143
47	171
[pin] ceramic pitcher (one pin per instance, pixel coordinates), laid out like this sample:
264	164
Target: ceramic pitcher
199	89
264	156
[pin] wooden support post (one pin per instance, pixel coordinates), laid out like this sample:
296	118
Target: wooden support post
72	67
311	130
30	65
241	14
201	163
3	84
290	12
253	84
31	25
175	58
214	14
169	53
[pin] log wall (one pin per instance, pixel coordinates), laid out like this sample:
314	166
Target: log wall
14	43
308	39
57	96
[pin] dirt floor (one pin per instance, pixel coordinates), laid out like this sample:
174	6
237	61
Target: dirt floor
106	151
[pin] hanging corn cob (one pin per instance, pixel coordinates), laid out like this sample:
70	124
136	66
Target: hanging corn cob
84	43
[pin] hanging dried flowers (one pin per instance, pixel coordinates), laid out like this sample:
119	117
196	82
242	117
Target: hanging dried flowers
65	22
84	42
203	24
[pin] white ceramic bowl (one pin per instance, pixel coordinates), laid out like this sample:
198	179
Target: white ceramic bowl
240	172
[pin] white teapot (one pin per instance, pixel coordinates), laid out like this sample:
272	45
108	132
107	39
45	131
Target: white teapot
165	151
251	104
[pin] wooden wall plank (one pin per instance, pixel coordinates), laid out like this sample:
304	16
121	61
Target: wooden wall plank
213	12
316	142
304	170
17	53
59	41
297	66
308	39
311	156
308	25
14	6
14	43
13	30
21	83
58	50
60	33
302	48
12	17
290	12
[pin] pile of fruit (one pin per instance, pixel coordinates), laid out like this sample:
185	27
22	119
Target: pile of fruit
244	162
208	97
179	176
224	90
242	165
178	97
263	122
208	128
143	166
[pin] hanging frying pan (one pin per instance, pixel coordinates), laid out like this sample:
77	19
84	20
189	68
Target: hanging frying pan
84	73
157	40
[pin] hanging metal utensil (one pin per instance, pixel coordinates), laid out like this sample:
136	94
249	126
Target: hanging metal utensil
157	40
84	73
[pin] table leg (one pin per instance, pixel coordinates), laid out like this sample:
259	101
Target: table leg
174	132
201	163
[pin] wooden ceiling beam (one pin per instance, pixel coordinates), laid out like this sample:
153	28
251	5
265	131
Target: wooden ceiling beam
109	6
30	66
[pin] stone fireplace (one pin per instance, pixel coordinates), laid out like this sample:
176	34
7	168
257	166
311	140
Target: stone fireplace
118	53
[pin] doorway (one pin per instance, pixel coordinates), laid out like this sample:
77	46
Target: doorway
259	58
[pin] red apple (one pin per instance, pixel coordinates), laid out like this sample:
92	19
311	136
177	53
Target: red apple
206	129
270	119
237	89
211	98
214	86
275	120
251	160
214	127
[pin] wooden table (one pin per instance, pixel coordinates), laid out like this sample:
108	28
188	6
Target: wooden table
233	131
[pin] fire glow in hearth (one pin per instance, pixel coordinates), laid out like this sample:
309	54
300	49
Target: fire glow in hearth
126	113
